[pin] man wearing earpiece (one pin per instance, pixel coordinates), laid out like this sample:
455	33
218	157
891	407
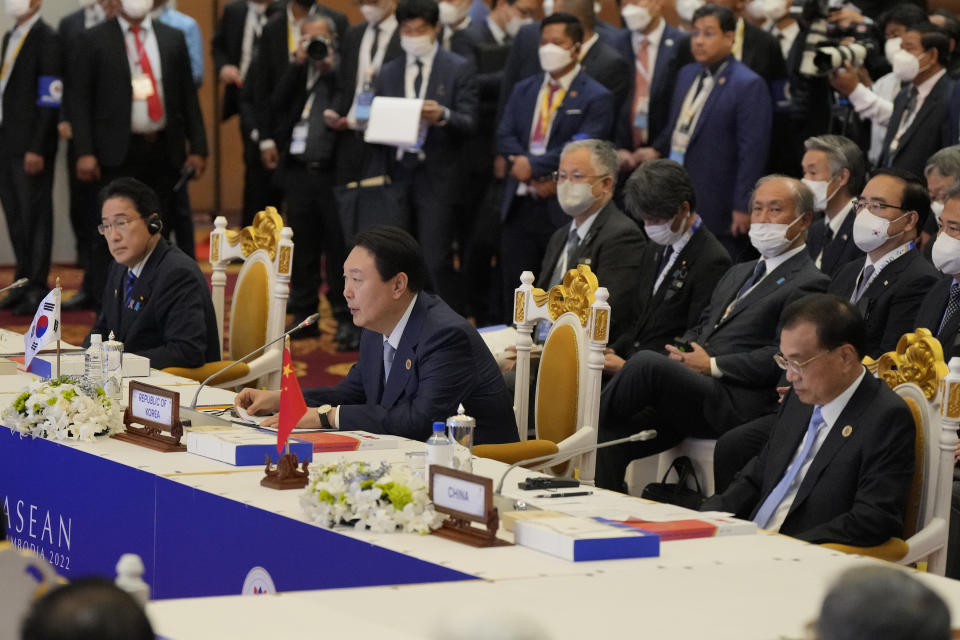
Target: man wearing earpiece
156	300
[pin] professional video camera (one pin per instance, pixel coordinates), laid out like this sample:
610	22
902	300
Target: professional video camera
822	48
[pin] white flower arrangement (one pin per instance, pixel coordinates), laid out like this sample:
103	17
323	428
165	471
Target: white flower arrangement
63	408
382	499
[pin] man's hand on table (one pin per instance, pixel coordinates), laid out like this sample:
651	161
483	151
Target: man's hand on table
257	401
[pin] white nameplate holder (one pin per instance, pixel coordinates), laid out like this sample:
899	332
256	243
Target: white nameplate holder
152	418
465	498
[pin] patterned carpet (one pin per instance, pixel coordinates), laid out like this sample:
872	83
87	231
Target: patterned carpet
315	359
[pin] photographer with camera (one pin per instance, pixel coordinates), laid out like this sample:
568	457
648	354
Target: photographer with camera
301	104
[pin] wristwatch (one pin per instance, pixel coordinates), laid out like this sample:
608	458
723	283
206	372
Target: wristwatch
323	413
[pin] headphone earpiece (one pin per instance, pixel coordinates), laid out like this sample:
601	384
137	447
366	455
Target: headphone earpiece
155	225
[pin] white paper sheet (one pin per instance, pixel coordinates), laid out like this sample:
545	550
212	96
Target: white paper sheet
394	121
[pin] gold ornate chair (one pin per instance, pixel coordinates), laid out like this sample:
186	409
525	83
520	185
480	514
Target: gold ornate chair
917	372
259	305
568	382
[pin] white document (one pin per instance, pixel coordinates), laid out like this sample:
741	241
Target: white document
394	121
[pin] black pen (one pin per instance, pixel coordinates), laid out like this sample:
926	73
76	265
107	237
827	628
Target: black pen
569	494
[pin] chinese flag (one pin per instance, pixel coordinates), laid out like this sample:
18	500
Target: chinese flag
292	406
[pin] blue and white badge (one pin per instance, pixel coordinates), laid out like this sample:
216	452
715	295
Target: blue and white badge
364	100
49	91
298	138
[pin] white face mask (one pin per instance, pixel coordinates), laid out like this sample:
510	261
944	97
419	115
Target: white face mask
136	9
770	239
870	231
906	66
575	198
774	9
890	47
636	18
686	8
663	235
451	14
17	8
547	8
937	209
946	254
514	24
417	46
820	195
372	13
554	57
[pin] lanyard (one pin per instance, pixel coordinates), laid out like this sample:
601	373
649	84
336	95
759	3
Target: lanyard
548	108
690	111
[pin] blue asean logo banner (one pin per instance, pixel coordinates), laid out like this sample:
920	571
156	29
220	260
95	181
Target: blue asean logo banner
49	91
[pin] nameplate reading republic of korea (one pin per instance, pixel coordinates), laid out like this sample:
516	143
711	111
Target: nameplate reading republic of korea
466	498
152	418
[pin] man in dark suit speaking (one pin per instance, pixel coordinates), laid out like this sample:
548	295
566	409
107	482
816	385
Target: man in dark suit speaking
720	373
156	300
418	359
840	460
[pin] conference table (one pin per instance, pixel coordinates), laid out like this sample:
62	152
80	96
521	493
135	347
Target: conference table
207	532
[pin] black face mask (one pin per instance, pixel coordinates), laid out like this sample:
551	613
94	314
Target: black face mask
306	4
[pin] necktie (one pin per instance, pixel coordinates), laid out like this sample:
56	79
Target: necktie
154	106
388	353
540	131
769	506
700	80
953	306
863	283
641	91
128	290
754	278
908	110
827	233
418	80
563	261
665	258
375	45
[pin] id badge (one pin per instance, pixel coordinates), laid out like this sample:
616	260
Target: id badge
362	110
298	139
142	86
677	155
641	121
678	149
538	148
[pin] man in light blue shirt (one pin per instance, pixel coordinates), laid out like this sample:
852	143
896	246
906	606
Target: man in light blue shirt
191	33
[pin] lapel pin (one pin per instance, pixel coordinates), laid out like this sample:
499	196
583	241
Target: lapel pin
844	237
573	94
847	430
668	42
886	282
781	280
408	364
722	81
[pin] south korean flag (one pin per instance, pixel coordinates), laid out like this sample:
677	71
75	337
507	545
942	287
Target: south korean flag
45	327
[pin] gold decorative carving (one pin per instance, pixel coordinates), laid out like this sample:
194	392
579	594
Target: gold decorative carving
264	233
575	293
539	296
600	327
519	311
284	262
953	402
918	359
215	248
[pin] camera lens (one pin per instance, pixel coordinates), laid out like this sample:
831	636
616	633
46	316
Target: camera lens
317	50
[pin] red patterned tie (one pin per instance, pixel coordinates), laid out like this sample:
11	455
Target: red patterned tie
540	130
641	91
154	106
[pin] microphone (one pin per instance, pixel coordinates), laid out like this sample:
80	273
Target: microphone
306	323
16	284
647	434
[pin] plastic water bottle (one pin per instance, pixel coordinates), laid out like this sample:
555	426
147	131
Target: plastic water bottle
439	447
93	360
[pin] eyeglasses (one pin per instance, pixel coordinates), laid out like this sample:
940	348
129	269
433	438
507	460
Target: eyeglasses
793	366
873	206
119	225
576	177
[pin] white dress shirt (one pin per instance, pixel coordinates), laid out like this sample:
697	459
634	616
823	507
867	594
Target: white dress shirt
876	105
17	36
835	223
498	34
252	29
367	69
140	121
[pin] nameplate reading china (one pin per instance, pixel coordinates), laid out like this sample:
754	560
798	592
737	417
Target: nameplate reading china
152	418
466	498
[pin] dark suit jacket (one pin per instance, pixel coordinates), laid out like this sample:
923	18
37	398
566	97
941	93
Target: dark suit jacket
350	61
69	30
672	54
891	302
450	84
745	341
490	58
728	148
929	132
27	127
103	96
440	363
930	315
605	65
586	112
289	99
839	251
681	298
856	488
175	325
612	249
227	47
762	53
